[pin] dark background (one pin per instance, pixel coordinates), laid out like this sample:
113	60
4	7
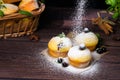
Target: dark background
72	3
62	9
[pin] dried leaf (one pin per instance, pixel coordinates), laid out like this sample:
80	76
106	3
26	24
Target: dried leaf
34	37
104	24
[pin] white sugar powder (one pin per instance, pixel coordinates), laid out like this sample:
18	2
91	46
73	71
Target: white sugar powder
78	16
91	69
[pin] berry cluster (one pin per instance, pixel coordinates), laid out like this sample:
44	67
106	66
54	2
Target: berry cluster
64	64
101	50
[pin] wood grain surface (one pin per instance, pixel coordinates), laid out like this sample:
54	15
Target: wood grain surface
20	58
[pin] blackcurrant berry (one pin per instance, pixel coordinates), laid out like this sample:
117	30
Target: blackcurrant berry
86	30
82	46
99	50
104	49
60	60
64	64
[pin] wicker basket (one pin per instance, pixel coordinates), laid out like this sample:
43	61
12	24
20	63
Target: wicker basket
15	25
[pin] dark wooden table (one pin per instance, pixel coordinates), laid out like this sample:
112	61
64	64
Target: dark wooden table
20	58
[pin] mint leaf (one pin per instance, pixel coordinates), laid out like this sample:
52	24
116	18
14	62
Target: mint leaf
115	15
61	35
1	13
111	2
25	13
100	40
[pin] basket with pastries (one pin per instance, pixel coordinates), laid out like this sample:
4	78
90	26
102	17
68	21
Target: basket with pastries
19	17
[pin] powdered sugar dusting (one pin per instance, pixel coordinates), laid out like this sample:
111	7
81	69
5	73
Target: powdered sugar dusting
52	62
74	52
78	16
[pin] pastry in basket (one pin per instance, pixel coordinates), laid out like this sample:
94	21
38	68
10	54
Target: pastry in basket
11	1
88	38
79	56
59	45
28	5
8	8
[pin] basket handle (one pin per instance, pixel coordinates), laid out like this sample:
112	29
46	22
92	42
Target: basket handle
40	10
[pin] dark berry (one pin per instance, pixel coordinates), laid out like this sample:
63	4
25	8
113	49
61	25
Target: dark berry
99	50
82	47
64	64
60	60
104	49
86	30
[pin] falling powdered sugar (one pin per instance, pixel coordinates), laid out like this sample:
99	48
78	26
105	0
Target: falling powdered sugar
77	16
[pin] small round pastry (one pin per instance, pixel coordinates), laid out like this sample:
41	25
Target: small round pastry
79	56
9	8
58	46
88	38
28	5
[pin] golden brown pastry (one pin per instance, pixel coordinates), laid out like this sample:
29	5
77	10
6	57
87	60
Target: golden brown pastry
9	8
88	38
79	56
28	5
59	46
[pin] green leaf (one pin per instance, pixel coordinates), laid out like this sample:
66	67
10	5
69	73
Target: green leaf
100	40
61	35
115	15
111	2
98	35
110	8
1	13
25	13
43	1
